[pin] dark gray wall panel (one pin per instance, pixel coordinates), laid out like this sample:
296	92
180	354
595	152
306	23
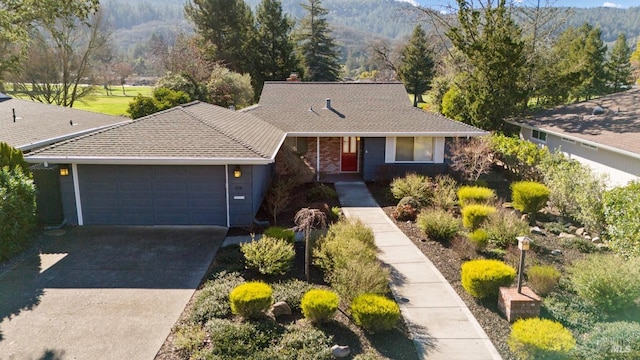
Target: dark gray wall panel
372	157
69	198
153	195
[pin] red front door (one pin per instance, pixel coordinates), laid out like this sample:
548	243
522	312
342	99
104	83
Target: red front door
349	154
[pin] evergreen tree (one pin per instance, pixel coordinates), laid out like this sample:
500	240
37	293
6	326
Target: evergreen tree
619	65
635	63
275	57
226	26
494	52
589	52
316	46
417	67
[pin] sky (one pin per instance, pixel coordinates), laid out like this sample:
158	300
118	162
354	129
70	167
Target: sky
573	3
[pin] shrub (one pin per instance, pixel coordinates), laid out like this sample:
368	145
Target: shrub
188	339
251	300
414	185
572	310
229	259
17	210
483	278
445	194
300	341
405	213
529	196
582	245
503	228
535	338
336	213
240	340
621	212
474	215
321	192
475	195
616	340
354	230
319	305
438	225
375	312
608	282
334	252
278	232
269	256
470	158
213	300
290	291
543	278
357	278
369	355
479	238
519	156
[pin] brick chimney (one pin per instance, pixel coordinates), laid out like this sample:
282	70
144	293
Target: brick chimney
293	77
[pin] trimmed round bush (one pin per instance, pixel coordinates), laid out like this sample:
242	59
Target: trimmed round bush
319	305
608	282
438	225
479	238
269	256
483	278
475	195
251	299
375	312
278	232
529	196
417	186
533	339
616	340
542	278
475	214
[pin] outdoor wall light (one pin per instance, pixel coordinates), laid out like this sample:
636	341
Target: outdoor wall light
237	172
64	171
523	244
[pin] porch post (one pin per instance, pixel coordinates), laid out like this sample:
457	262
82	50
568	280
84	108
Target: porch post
318	158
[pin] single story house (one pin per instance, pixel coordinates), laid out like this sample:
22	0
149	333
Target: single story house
28	125
200	164
603	133
195	164
368	129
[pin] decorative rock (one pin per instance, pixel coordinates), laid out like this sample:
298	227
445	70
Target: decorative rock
603	247
580	231
524	217
587	237
537	230
572	229
280	308
566	235
556	252
340	351
596	240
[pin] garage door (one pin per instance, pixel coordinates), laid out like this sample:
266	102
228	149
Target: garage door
152	195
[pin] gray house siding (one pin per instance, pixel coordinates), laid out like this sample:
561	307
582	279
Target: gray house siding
374	166
152	195
69	198
262	175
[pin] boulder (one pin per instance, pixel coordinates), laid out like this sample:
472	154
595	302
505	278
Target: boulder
596	240
580	231
340	351
556	252
537	230
280	308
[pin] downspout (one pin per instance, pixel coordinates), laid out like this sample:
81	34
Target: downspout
76	190
318	158
226	187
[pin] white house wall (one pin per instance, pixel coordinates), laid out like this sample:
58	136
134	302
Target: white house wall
619	168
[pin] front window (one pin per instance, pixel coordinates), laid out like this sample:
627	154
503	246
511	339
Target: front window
539	135
414	149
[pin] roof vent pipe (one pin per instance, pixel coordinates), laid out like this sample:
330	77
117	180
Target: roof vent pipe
328	106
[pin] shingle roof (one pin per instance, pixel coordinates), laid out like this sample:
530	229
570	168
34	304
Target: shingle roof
39	124
299	108
196	133
618	127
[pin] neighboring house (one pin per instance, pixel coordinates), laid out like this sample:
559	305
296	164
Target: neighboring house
195	164
28	125
603	133
370	129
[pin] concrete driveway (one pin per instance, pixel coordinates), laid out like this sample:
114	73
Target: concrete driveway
102	292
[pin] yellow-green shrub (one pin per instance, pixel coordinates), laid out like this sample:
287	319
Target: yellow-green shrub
482	278
543	278
279	232
270	256
251	299
319	305
375	312
533	339
475	214
475	195
529	196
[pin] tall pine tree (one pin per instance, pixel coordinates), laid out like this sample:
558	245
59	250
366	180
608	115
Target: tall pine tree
275	57
316	46
619	65
226	26
589	53
417	67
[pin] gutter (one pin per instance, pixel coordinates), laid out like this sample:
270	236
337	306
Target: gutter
35	159
390	134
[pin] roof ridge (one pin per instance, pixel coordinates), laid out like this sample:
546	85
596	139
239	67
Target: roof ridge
223	132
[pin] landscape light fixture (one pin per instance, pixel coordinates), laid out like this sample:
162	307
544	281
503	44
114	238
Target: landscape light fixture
523	244
237	172
64	171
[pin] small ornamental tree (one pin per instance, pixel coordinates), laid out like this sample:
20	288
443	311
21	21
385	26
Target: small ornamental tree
307	219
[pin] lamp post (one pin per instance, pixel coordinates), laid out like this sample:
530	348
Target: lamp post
523	244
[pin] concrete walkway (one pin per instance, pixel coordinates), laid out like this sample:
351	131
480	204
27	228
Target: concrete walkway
441	324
